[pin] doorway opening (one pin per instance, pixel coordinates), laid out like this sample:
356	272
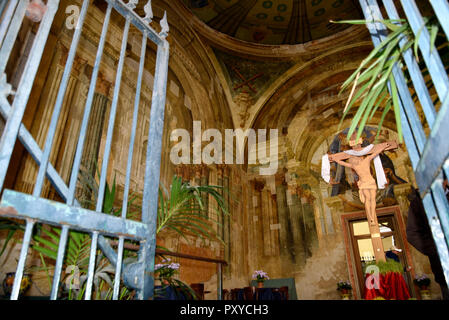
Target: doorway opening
359	248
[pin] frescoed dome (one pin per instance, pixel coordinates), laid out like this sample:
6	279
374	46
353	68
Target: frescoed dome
275	21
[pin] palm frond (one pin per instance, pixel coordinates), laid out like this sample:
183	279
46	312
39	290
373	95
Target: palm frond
373	87
12	227
182	209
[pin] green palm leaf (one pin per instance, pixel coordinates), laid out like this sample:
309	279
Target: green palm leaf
373	85
183	210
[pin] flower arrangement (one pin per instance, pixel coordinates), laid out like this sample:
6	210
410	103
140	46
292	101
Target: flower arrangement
422	281
166	269
260	276
344	286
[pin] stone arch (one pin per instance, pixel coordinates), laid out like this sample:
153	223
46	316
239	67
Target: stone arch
283	103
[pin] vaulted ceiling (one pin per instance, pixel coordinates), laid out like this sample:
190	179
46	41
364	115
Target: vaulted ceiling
275	21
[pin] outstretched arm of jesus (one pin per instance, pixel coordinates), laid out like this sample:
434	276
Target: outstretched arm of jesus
343	163
380	149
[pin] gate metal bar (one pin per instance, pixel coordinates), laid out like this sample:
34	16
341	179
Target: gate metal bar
70	216
2	7
152	168
429	156
13	30
7	17
10	132
129	165
49	143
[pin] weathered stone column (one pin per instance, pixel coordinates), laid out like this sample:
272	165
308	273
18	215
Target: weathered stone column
197	174
220	169
297	225
96	123
224	228
72	100
258	186
40	126
274	224
266	223
324	189
91	151
308	215
178	170
285	234
251	224
226	220
204	180
183	171
335	205
201	178
169	126
320	213
186	173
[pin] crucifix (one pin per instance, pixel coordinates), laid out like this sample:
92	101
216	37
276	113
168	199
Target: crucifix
359	160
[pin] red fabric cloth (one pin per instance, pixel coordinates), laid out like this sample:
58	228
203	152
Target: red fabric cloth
390	286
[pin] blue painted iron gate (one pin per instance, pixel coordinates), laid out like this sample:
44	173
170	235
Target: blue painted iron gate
70	216
429	155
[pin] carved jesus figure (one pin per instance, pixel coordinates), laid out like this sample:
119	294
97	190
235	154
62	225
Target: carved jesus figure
359	160
366	183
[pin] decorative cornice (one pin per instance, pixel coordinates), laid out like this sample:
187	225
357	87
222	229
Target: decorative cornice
279	177
64	52
103	85
186	62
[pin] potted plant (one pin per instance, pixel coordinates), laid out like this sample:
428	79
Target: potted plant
166	270
423	282
260	276
345	289
171	287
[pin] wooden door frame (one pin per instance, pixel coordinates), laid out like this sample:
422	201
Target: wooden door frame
349	245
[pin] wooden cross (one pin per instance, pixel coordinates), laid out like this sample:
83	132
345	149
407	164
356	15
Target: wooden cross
390	145
246	82
369	205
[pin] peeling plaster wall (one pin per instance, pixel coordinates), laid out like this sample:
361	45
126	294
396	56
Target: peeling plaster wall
318	279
